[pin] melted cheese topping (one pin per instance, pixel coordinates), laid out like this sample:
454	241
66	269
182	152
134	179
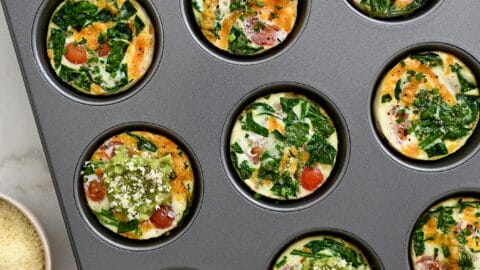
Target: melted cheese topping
411	76
181	186
289	261
257	149
275	19
451	236
138	55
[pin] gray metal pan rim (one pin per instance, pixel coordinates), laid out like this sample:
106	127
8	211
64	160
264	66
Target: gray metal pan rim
455	160
370	254
303	15
472	192
422	12
343	151
42	63
111	238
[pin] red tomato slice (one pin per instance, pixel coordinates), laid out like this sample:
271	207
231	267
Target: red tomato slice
76	54
311	178
104	49
96	191
162	217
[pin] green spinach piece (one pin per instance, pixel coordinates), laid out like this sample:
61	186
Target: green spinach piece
288	103
269	170
446	251
244	170
445	219
123	81
143	143
57	44
282	262
465	85
320	151
196	6
265	107
337	248
77	15
386	98
78	78
297	133
251	125
127	10
236	148
129	226
104	15
465	261
279	136
120	31
238	43
398	89
419	242
139	25
117	52
285	187
107	217
320	122
430	59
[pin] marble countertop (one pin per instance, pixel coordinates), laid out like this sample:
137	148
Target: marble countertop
24	173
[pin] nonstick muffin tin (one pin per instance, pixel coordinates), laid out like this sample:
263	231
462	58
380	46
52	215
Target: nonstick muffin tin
192	94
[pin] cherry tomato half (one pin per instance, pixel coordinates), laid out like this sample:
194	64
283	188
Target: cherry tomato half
76	54
311	178
96	191
162	217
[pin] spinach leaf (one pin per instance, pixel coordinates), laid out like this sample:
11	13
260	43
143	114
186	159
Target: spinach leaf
282	262
117	52
104	15
320	151
123	81
445	219
236	148
465	261
386	98
297	133
196	6
288	103
57	44
285	187
465	85
127	226
139	25
337	248
244	170
143	143
107	217
127	10
419	242
398	89
445	251
265	107
430	59
279	136
253	126
120	31
238	43
78	78
320	122
77	15
269	169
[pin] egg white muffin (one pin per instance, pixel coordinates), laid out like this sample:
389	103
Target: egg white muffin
389	8
321	252
426	105
447	236
139	184
245	27
283	146
100	47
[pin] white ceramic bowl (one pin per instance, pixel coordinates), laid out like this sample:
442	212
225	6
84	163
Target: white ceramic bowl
36	224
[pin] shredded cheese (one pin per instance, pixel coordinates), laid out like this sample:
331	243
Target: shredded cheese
20	246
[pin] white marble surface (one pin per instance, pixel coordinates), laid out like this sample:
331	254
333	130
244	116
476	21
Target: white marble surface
24	174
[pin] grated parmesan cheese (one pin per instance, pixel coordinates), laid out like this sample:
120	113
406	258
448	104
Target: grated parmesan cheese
20	246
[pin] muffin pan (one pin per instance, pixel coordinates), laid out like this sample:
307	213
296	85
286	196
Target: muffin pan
192	94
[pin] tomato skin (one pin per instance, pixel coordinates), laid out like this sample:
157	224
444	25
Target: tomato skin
76	54
96	191
311	178
160	218
104	49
